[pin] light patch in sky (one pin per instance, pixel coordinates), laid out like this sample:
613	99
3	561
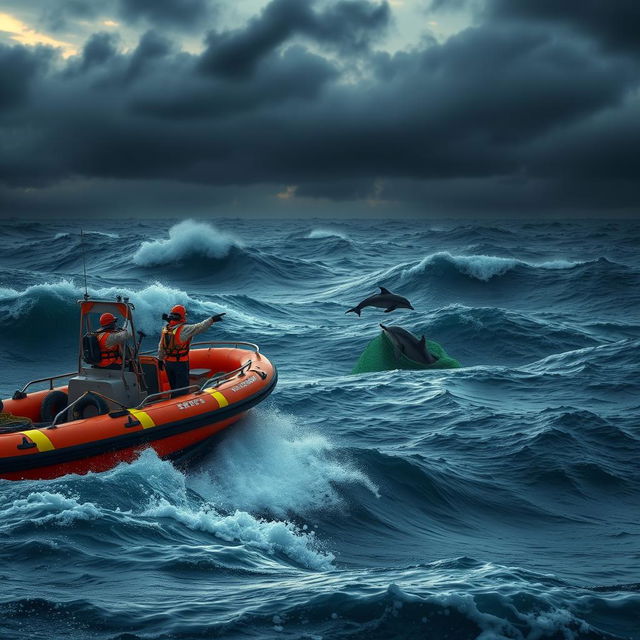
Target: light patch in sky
110	23
288	193
22	33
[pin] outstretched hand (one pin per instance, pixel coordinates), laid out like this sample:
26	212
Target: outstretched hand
218	317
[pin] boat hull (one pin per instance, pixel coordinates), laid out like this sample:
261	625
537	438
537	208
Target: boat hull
172	427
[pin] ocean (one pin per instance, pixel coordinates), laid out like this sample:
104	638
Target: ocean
498	500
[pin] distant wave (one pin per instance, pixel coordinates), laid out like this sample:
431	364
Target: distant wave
477	267
327	233
187	239
38	306
481	267
500	336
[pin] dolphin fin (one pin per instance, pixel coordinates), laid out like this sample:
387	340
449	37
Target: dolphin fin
390	308
355	310
385	291
429	356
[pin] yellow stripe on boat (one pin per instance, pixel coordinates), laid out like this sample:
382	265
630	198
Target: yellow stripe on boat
222	401
143	417
42	442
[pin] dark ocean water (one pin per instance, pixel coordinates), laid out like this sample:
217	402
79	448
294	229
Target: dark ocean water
500	500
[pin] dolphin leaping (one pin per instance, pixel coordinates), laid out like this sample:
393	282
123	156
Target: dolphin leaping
408	345
385	300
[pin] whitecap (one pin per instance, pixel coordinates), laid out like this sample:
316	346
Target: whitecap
275	464
186	240
326	233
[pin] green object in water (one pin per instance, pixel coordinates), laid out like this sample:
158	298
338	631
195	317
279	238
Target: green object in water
380	356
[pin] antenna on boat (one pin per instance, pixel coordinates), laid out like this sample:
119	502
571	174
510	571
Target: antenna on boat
84	265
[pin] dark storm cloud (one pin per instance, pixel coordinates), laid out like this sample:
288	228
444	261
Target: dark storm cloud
506	115
152	46
100	48
19	67
349	24
58	16
293	75
165	13
616	24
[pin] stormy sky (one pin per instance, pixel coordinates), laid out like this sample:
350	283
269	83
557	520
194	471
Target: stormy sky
319	107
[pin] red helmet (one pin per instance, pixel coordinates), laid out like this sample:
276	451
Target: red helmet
106	319
179	310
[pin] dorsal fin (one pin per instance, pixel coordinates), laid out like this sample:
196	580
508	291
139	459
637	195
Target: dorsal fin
383	290
423	341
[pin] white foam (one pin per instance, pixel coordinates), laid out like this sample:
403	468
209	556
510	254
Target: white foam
44	507
151	302
186	240
481	267
240	526
274	464
327	233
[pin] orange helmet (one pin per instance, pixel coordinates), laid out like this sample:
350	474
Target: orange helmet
179	310
106	319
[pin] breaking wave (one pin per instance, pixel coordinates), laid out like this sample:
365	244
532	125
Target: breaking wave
316	234
480	267
187	241
276	465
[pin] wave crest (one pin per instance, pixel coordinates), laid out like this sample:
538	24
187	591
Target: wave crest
43	304
317	234
278	466
480	267
186	240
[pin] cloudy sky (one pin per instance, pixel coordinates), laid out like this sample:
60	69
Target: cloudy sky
319	107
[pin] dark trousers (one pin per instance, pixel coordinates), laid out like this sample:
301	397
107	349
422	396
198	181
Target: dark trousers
107	366
178	374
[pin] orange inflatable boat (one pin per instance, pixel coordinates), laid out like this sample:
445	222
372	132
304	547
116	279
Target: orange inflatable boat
100	417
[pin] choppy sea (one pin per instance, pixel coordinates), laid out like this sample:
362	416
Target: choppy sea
499	500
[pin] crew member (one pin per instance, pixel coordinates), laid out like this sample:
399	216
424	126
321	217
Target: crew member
173	349
111	341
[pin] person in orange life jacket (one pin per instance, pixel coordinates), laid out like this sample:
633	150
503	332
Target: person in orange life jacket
175	340
111	341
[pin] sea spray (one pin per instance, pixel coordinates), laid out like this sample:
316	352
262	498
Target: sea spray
274	464
186	240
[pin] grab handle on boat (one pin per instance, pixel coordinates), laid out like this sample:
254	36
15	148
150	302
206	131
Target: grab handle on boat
61	413
26	444
158	397
216	380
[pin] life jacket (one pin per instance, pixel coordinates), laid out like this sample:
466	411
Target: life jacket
108	355
174	349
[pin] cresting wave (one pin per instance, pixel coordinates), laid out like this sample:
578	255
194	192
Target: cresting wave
187	239
481	268
152	499
276	465
478	266
197	251
320	234
38	306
